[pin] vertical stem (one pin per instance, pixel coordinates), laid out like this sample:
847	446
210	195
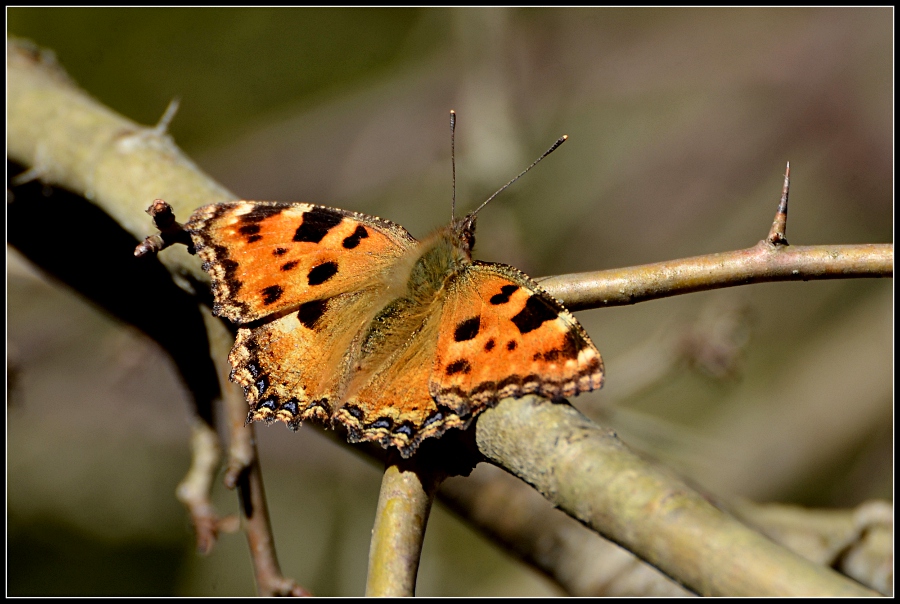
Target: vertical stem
407	491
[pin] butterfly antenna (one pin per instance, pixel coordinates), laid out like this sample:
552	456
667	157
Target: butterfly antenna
453	162
553	148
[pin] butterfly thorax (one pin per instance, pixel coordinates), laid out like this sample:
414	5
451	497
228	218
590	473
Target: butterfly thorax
441	256
434	264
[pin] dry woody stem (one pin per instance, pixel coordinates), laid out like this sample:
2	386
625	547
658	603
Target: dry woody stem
194	492
248	479
761	263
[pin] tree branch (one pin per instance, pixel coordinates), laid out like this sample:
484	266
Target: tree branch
69	139
589	474
579	560
761	263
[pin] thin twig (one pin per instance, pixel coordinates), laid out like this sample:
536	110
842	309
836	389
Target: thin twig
252	496
195	489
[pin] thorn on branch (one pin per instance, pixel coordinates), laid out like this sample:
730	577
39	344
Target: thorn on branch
39	171
170	231
779	225
27	176
162	126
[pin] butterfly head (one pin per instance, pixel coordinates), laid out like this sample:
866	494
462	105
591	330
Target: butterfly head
464	231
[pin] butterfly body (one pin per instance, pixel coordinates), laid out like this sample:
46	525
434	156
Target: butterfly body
346	317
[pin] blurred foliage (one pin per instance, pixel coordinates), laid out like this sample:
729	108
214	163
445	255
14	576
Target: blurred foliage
680	123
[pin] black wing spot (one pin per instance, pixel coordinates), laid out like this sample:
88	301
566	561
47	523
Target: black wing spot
271	294
322	273
573	344
511	345
503	297
535	313
550	356
316	224
460	366
489	345
279	251
253	238
249	229
310	312
353	240
289	265
261	212
468	329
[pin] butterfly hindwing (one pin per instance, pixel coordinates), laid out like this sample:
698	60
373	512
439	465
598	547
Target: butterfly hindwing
389	401
296	366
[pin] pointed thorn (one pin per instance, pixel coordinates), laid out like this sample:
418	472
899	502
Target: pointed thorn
162	126
779	225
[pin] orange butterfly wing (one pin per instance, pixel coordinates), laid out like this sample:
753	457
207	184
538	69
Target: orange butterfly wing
492	333
502	335
305	280
268	257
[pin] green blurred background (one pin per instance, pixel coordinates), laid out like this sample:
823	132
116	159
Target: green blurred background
680	122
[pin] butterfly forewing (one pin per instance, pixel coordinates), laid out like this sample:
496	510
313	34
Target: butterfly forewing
268	257
502	335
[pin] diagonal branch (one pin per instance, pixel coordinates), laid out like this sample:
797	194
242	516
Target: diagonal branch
590	474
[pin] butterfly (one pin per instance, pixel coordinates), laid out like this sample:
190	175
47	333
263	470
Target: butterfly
345	317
